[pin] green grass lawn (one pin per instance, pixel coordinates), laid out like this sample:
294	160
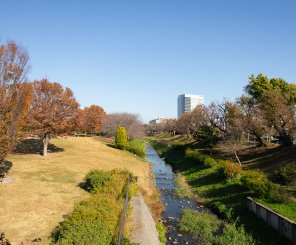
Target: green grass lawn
209	187
286	209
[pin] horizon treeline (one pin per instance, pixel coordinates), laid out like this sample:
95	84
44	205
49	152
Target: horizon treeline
265	113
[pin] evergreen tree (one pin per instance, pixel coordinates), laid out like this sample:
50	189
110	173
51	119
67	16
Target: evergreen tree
121	138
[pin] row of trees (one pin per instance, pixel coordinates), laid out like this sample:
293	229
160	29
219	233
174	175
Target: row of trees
41	107
265	112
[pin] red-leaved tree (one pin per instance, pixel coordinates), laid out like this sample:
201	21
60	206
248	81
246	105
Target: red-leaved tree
14	94
91	119
53	111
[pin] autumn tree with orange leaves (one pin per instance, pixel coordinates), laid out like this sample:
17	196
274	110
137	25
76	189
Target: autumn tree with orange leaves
91	119
14	94
53	111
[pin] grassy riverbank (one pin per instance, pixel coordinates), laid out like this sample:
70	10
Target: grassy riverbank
96	220
46	188
210	188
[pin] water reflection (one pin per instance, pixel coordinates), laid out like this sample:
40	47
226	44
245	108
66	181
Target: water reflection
165	182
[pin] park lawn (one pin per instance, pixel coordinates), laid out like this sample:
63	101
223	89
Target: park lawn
46	188
288	210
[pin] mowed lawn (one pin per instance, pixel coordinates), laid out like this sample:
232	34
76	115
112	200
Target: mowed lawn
46	188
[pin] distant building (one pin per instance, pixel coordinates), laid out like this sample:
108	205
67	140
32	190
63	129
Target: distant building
157	121
187	103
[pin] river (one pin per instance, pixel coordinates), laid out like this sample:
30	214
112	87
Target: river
165	182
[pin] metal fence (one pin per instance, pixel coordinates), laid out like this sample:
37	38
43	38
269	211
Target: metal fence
125	208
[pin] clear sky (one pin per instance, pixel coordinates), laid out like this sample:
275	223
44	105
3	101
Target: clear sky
138	56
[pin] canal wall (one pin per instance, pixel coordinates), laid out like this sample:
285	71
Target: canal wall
278	222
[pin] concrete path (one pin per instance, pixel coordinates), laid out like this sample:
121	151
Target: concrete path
144	231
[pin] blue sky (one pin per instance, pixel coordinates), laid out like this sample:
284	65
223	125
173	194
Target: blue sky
137	56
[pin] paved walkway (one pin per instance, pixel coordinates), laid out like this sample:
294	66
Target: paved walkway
144	231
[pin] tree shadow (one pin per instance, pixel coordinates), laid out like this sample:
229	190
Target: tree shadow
209	179
5	166
34	146
269	159
112	146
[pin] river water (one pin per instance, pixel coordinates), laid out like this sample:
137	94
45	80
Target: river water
165	182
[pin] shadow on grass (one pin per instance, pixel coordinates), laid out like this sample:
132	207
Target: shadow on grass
268	159
209	179
5	166
34	146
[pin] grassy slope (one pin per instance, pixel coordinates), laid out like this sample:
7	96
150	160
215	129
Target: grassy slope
46	188
207	185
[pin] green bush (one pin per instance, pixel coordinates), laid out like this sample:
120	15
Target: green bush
208	229
161	232
230	170
201	226
222	211
209	162
257	182
96	179
233	235
95	220
195	155
121	138
286	175
277	193
137	147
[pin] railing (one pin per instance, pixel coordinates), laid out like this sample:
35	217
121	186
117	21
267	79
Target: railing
126	202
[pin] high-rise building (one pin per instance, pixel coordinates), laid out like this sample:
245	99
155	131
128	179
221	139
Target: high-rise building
187	103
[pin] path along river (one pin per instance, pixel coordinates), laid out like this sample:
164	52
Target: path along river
165	182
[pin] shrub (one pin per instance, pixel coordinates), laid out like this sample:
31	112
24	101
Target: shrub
161	232
137	147
222	211
90	222
277	193
194	155
121	138
233	235
96	179
286	175
230	170
94	220
201	226
209	162
208	229
257	182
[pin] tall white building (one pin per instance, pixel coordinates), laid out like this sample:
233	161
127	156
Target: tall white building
187	103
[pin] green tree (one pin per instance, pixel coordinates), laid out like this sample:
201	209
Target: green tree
259	85
121	138
207	136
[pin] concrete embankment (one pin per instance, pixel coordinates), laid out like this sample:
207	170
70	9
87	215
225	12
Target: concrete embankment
144	231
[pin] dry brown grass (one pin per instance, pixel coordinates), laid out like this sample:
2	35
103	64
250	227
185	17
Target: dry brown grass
46	188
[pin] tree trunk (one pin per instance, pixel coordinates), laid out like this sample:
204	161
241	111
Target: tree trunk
45	144
236	156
